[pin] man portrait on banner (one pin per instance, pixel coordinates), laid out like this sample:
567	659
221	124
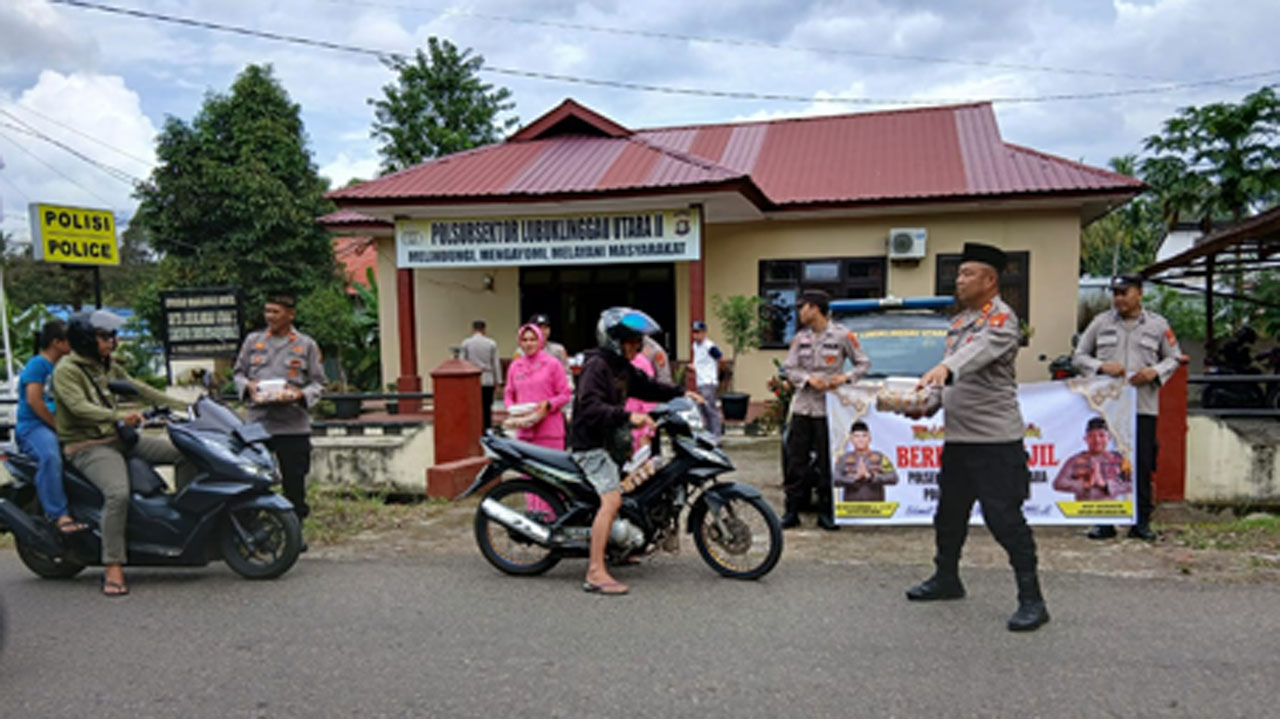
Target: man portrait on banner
861	473
1097	473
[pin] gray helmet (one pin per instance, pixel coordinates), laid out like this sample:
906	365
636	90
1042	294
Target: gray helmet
83	328
618	324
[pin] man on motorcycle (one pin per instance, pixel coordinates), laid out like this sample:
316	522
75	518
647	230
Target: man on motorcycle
97	436
600	436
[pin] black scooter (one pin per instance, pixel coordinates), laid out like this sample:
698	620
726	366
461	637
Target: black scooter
525	526
227	512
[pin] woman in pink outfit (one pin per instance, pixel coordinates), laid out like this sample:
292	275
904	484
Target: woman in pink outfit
538	378
640	435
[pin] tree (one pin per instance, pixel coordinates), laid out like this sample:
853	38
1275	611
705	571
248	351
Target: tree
235	198
437	106
28	281
1126	239
1219	161
741	323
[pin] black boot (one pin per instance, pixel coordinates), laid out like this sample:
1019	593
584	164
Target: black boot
944	584
790	519
826	522
1031	612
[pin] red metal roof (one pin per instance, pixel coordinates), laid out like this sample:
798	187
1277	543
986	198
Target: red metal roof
926	153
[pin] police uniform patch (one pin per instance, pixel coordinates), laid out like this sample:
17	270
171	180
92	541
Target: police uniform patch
1170	338
853	339
999	320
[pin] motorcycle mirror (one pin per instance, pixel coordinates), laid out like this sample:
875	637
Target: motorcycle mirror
121	387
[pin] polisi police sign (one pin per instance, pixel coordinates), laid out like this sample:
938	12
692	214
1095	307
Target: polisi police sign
73	235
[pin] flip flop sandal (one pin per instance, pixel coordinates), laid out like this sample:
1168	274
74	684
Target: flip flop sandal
118	589
608	589
70	526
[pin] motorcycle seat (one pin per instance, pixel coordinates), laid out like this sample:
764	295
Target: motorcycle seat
554	458
144	480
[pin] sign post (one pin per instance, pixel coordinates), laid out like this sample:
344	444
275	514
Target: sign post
75	236
201	324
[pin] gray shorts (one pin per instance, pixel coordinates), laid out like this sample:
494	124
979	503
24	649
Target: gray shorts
601	470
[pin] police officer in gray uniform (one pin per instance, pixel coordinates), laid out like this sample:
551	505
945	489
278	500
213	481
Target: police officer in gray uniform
983	458
815	364
282	352
1135	343
482	352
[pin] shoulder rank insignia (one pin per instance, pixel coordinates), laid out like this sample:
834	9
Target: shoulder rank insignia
998	320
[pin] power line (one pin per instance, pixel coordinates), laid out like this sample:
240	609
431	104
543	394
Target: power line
64	175
663	89
86	136
115	172
737	42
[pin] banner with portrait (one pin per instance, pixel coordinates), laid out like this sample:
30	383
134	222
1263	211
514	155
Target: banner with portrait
1079	436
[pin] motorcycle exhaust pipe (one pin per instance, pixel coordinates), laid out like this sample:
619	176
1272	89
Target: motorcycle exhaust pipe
512	519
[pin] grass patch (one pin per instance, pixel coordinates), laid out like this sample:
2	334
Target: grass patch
1254	534
339	515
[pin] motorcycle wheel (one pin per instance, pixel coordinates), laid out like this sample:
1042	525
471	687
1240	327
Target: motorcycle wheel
260	543
1215	398
749	545
41	564
508	550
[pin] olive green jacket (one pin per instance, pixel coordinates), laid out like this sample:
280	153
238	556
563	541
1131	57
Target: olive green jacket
81	414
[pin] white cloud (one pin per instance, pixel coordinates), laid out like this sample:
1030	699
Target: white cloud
342	169
71	109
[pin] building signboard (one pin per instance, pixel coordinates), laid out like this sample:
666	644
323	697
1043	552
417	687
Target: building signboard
597	238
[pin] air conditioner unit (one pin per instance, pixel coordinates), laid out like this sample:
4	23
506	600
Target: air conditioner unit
907	243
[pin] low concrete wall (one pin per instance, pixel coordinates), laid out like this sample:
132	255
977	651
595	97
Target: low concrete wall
1233	461
388	463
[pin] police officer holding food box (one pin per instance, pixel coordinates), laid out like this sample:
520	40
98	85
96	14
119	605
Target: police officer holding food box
983	458
815	364
1134	343
279	371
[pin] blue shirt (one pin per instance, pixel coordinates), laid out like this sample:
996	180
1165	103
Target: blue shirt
40	371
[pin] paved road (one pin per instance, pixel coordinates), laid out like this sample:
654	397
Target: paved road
447	636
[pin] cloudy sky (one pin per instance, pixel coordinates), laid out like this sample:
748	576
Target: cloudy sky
101	84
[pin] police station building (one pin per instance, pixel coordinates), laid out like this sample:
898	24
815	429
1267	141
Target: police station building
576	212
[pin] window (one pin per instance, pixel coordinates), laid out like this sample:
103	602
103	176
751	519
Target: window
1013	281
782	281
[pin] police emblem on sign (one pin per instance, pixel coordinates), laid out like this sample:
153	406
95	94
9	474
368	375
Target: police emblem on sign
683	223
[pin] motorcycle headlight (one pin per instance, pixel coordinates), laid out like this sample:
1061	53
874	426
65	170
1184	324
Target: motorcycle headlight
692	416
257	470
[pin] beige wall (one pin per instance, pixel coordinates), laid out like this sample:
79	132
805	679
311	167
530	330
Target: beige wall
448	300
1051	236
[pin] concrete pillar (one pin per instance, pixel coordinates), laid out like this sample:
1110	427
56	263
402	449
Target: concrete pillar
456	395
1169	481
409	379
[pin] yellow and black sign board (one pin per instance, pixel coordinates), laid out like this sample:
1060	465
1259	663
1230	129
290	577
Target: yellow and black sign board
73	235
866	510
1118	509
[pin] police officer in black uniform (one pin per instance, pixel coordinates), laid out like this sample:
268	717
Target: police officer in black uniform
983	457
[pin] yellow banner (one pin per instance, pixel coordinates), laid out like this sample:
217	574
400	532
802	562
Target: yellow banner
73	235
1108	508
882	510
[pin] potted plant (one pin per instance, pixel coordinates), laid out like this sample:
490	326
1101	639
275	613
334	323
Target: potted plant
741	329
344	407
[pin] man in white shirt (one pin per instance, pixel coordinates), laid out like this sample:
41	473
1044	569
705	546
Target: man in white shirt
706	365
482	352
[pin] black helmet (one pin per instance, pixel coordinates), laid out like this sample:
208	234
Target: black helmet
83	329
618	324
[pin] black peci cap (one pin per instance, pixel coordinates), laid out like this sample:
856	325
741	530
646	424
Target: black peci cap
1125	281
817	298
1095	423
986	254
859	426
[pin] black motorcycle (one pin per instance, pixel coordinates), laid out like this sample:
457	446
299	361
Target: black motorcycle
227	512
1235	358
526	525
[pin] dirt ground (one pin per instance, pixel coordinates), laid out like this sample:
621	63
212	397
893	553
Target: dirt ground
1188	548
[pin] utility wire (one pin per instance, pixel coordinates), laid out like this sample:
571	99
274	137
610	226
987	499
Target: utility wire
64	175
115	172
684	91
735	42
91	138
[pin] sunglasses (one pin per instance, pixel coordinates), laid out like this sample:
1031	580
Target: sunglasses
106	335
